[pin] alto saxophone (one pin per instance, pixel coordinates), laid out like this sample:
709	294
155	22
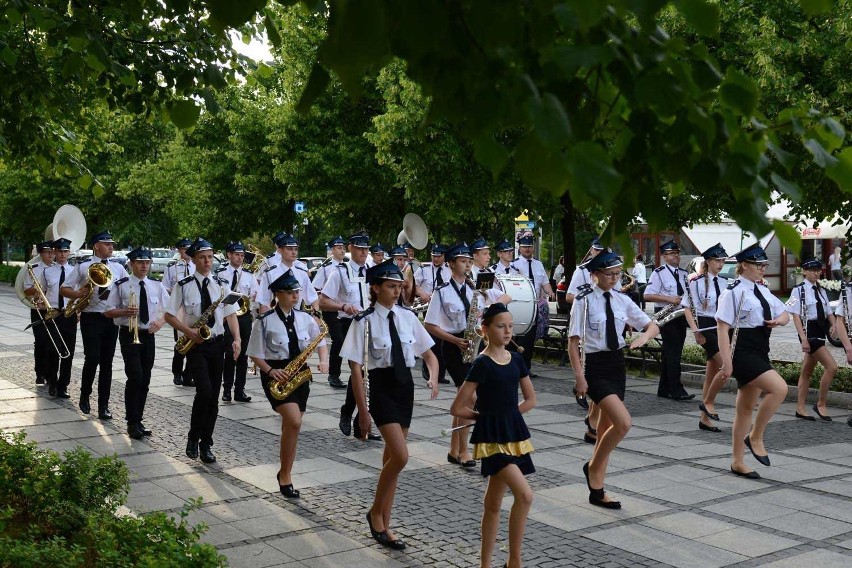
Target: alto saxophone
471	333
184	343
293	376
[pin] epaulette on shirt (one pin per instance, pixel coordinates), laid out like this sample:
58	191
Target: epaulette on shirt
265	314
270	255
121	281
583	291
269	268
733	284
300	267
220	269
361	315
220	280
659	268
171	263
186	280
695	277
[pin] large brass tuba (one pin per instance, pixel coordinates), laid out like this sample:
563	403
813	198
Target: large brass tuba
294	375
99	277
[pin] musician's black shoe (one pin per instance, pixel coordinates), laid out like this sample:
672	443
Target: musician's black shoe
188	383
192	449
62	393
177	380
51	389
134	431
345	423
226	396
104	413
85	408
40	380
206	454
242	397
684	397
444	381
145	430
336	383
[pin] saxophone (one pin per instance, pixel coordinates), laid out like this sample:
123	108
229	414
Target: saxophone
184	343
471	333
293	376
667	314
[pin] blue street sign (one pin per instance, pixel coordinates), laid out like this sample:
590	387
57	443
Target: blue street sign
299	207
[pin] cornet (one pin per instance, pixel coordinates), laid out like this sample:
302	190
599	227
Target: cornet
133	321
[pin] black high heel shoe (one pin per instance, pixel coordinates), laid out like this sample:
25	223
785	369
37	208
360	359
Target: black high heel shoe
286	490
592	431
762	459
382	536
703	409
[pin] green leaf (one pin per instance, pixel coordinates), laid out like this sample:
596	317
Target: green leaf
233	13
791	189
587	13
14	16
593	173
550	121
788	235
184	114
739	92
8	56
701	15
317	84
785	158
272	31
841	172
816	7
822	158
84	181
265	71
94	63
490	154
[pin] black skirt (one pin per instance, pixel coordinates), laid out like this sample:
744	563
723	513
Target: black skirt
711	345
606	374
816	335
391	399
493	464
298	396
751	358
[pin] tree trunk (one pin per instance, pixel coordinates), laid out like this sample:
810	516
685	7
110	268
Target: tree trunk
568	237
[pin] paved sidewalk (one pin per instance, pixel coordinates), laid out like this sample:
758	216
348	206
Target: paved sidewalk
681	505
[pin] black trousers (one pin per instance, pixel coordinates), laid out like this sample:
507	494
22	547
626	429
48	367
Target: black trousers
99	336
527	341
437	349
337	334
674	336
234	372
454	361
138	362
59	370
348	405
205	361
178	364
41	345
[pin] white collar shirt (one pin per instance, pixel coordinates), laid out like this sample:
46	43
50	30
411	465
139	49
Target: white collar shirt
270	275
345	285
704	295
413	337
533	269
582	277
741	293
664	281
80	277
245	283
185	301
446	309
321	275
177	271
50	277
426	276
624	310
841	310
269	340
158	299
794	304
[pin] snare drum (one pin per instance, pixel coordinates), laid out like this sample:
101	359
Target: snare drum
523	306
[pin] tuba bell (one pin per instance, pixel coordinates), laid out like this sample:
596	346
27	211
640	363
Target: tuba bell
414	231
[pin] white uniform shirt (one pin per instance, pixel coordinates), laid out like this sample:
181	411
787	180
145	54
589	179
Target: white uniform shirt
664	281
704	295
412	335
839	310
49	281
580	277
245	284
274	259
538	274
321	276
187	295
177	270
158	299
446	309
427	275
269	339
640	273
345	286
270	275
794	304
624	310
501	268
80	277
751	312
38	269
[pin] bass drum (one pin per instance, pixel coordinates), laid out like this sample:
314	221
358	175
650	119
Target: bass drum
523	306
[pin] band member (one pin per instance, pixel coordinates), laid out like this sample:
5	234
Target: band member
193	297
505	255
500	436
242	282
703	297
842	322
666	287
598	316
337	255
59	370
337	245
396	337
481	257
412	258
274	259
41	340
533	269
751	311
400	258
178	270
346	292
812	317
581	276
279	336
99	333
288	250
447	318
377	255
426	279
137	302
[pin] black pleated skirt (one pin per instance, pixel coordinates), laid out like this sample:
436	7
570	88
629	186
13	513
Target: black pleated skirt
391	398
606	374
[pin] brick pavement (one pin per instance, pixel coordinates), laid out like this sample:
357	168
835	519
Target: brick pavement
682	507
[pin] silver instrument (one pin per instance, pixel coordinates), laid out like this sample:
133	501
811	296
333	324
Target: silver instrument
845	308
736	325
668	314
691	302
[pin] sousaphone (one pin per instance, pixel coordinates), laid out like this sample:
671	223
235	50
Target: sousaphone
414	231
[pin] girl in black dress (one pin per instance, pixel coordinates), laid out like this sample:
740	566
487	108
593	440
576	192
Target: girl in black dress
500	435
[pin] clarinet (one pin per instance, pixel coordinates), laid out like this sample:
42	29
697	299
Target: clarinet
845	308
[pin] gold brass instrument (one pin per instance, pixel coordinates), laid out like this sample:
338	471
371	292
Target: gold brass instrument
257	259
133	321
184	344
627	281
243	305
294	375
42	303
472	333
99	277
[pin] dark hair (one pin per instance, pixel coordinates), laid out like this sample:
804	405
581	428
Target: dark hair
639	258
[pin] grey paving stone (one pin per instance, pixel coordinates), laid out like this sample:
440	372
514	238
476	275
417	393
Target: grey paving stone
280	522
636	538
311	545
684	494
808	525
749	510
688	525
838	486
358	557
748	542
692	554
224	533
815	558
259	555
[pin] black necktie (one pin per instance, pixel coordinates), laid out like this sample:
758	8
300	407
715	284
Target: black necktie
234	280
611	335
61	282
677	281
143	303
360	287
293	341
716	285
767	313
206	303
819	306
462	292
531	275
439	280
400	369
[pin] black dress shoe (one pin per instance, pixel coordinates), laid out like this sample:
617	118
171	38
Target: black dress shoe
135	432
206	455
762	459
825	417
145	430
592	431
469	464
192	449
703	409
661	395
706	428
336	383
582	401
382	537
374	437
84	405
188	383
226	396
177	380
683	397
39	380
51	389
241	397
62	393
288	491
444	381
452	459
596	498
805	416
849	421
345	423
104	413
589	439
746	474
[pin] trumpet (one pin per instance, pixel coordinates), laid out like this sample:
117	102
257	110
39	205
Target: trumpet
49	316
133	321
99	276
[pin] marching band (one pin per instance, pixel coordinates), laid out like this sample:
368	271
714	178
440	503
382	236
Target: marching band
381	315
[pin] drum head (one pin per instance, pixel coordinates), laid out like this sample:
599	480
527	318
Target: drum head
523	305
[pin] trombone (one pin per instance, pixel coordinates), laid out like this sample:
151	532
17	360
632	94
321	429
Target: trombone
49	316
133	321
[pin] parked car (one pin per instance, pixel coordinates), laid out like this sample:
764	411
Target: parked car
82	255
162	257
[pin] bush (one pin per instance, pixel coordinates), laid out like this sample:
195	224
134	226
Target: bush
8	273
60	511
